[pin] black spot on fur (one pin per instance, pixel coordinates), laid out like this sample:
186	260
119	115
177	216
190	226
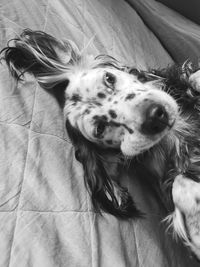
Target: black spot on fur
130	96
134	71
101	95
100	118
130	131
197	200
87	111
97	104
112	113
76	97
109	142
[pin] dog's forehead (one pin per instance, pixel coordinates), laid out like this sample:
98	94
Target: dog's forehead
86	80
90	84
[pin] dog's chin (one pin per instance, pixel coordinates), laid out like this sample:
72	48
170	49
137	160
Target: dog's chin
131	147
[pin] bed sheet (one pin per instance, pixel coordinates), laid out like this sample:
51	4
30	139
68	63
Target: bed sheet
179	35
46	216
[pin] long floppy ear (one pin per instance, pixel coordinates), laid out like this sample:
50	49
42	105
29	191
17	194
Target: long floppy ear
42	55
47	58
106	194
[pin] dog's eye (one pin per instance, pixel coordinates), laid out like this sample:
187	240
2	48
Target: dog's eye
109	80
100	129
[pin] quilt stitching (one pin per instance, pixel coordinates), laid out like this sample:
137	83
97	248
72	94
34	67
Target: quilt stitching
17	208
136	245
40	133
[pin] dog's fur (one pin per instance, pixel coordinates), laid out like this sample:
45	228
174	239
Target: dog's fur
116	112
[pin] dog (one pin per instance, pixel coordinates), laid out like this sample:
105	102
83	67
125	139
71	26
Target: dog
147	119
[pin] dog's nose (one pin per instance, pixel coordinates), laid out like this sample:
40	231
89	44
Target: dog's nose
156	120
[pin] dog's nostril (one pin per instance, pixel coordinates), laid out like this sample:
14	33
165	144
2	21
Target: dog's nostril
156	120
157	112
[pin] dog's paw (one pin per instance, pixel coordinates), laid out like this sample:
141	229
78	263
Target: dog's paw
186	197
186	194
194	80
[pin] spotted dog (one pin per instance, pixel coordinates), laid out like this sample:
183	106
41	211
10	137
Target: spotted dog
114	111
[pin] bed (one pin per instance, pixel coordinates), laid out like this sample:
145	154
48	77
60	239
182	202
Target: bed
46	216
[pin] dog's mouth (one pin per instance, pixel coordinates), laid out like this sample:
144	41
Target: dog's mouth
150	133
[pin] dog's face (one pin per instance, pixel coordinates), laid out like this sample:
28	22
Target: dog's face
113	108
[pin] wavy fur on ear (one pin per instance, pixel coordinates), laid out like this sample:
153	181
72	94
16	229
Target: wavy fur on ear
47	58
42	55
106	194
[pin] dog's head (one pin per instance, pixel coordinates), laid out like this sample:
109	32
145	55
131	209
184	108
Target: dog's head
112	108
106	105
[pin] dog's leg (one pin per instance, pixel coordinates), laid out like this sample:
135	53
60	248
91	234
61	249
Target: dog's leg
194	80
186	218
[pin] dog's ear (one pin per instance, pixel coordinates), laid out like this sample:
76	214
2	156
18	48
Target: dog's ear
106	194
42	55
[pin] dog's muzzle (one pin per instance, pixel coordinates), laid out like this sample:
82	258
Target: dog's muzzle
156	120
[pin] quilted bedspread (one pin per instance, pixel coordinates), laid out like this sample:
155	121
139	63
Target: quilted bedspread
46	216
